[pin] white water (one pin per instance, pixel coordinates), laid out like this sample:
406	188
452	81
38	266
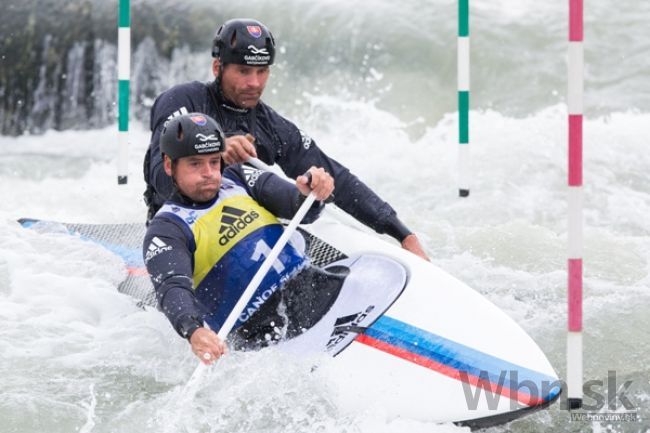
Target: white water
77	355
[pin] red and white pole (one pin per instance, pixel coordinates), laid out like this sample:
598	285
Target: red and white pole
575	106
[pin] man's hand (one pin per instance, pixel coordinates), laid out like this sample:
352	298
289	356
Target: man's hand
412	244
322	184
239	148
207	345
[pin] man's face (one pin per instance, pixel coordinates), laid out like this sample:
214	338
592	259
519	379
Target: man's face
243	84
198	176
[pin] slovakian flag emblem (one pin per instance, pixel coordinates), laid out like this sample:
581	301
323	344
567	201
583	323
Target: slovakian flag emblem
254	31
199	120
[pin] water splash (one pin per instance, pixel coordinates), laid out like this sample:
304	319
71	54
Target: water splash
90	414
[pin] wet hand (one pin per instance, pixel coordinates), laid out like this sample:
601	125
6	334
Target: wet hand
207	345
239	148
321	183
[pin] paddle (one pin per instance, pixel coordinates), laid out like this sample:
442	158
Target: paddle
334	211
258	163
190	388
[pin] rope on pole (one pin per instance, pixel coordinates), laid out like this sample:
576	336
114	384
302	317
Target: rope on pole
123	76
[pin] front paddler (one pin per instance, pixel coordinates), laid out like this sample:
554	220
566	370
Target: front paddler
207	241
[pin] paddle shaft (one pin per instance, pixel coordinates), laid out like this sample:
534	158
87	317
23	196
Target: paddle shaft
253	285
258	163
332	211
266	265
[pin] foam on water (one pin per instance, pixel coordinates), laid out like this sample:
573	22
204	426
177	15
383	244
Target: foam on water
79	355
376	94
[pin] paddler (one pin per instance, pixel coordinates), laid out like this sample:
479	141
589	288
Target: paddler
243	51
209	238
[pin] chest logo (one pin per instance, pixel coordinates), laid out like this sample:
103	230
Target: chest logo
234	221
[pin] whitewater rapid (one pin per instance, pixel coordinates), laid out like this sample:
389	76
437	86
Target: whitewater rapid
77	355
375	86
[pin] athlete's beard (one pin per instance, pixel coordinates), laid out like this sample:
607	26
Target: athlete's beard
204	192
243	99
199	193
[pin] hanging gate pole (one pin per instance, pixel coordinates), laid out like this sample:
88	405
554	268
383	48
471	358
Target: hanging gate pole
463	98
574	265
123	76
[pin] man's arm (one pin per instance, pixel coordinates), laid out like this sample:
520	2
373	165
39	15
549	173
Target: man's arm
278	196
168	258
351	194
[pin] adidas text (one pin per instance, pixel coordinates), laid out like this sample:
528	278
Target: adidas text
237	226
156	247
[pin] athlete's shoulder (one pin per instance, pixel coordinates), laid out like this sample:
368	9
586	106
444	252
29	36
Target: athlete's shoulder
235	175
172	222
180	99
288	132
267	112
190	88
165	222
162	234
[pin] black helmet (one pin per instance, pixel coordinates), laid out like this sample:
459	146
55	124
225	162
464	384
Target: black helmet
244	42
191	134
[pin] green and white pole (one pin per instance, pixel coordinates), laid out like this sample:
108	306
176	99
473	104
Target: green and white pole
123	76
463	98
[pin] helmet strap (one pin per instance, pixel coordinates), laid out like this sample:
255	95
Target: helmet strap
217	79
175	189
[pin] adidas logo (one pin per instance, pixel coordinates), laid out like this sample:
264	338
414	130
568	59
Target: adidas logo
306	140
176	113
251	174
344	325
156	247
233	221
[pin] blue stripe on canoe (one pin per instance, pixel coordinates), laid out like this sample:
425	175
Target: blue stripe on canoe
131	256
409	338
458	356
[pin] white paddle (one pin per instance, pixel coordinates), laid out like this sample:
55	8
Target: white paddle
258	163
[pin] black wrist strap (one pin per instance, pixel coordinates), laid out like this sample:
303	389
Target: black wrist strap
396	229
187	325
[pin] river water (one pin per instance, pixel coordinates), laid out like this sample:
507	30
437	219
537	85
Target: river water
374	85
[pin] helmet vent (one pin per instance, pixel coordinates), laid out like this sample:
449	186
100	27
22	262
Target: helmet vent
179	133
233	39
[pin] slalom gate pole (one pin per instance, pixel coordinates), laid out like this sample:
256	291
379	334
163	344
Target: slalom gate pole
123	76
463	98
575	204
